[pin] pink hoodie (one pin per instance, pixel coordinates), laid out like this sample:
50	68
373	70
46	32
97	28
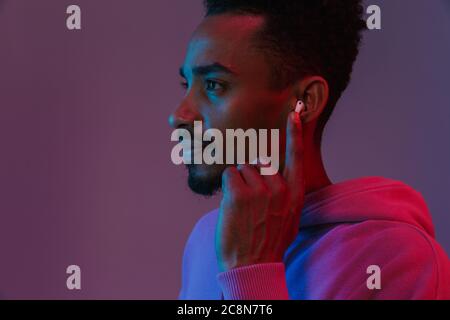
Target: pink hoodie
346	229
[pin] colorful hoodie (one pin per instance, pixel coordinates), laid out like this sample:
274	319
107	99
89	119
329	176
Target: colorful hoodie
352	235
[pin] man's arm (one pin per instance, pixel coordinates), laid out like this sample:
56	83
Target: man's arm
258	219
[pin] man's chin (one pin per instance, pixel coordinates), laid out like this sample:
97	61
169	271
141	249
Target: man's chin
204	180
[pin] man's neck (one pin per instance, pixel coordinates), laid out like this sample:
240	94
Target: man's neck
315	174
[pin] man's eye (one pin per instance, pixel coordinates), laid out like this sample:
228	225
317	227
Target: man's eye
212	85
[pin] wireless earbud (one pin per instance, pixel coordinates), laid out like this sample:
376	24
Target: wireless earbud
299	107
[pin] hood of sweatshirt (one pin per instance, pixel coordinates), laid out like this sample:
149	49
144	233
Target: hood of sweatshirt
367	198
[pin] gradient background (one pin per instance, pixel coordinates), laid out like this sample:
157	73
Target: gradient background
85	170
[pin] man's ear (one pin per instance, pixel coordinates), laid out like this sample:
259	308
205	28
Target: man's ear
314	92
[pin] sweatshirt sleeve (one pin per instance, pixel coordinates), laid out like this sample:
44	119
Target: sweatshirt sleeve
266	281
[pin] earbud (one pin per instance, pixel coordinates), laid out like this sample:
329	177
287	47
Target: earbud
300	107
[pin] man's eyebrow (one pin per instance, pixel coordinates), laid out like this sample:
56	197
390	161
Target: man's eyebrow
210	68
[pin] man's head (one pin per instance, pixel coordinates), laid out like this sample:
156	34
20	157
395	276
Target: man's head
249	61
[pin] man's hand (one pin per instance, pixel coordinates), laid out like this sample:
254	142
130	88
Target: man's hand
259	215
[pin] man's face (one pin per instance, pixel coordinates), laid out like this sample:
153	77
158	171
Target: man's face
228	86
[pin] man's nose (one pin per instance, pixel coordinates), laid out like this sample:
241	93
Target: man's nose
184	115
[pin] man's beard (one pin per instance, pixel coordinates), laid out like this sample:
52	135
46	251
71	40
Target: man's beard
206	185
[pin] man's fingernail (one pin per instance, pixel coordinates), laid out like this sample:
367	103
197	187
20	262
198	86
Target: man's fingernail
299	107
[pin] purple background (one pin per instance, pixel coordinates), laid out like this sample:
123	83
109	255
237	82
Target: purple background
85	170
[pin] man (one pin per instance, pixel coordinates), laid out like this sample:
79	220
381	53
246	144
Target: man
294	235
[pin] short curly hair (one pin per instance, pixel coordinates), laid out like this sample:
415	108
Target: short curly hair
305	37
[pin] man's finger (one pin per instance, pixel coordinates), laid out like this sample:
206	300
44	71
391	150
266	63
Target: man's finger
232	180
251	175
293	168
